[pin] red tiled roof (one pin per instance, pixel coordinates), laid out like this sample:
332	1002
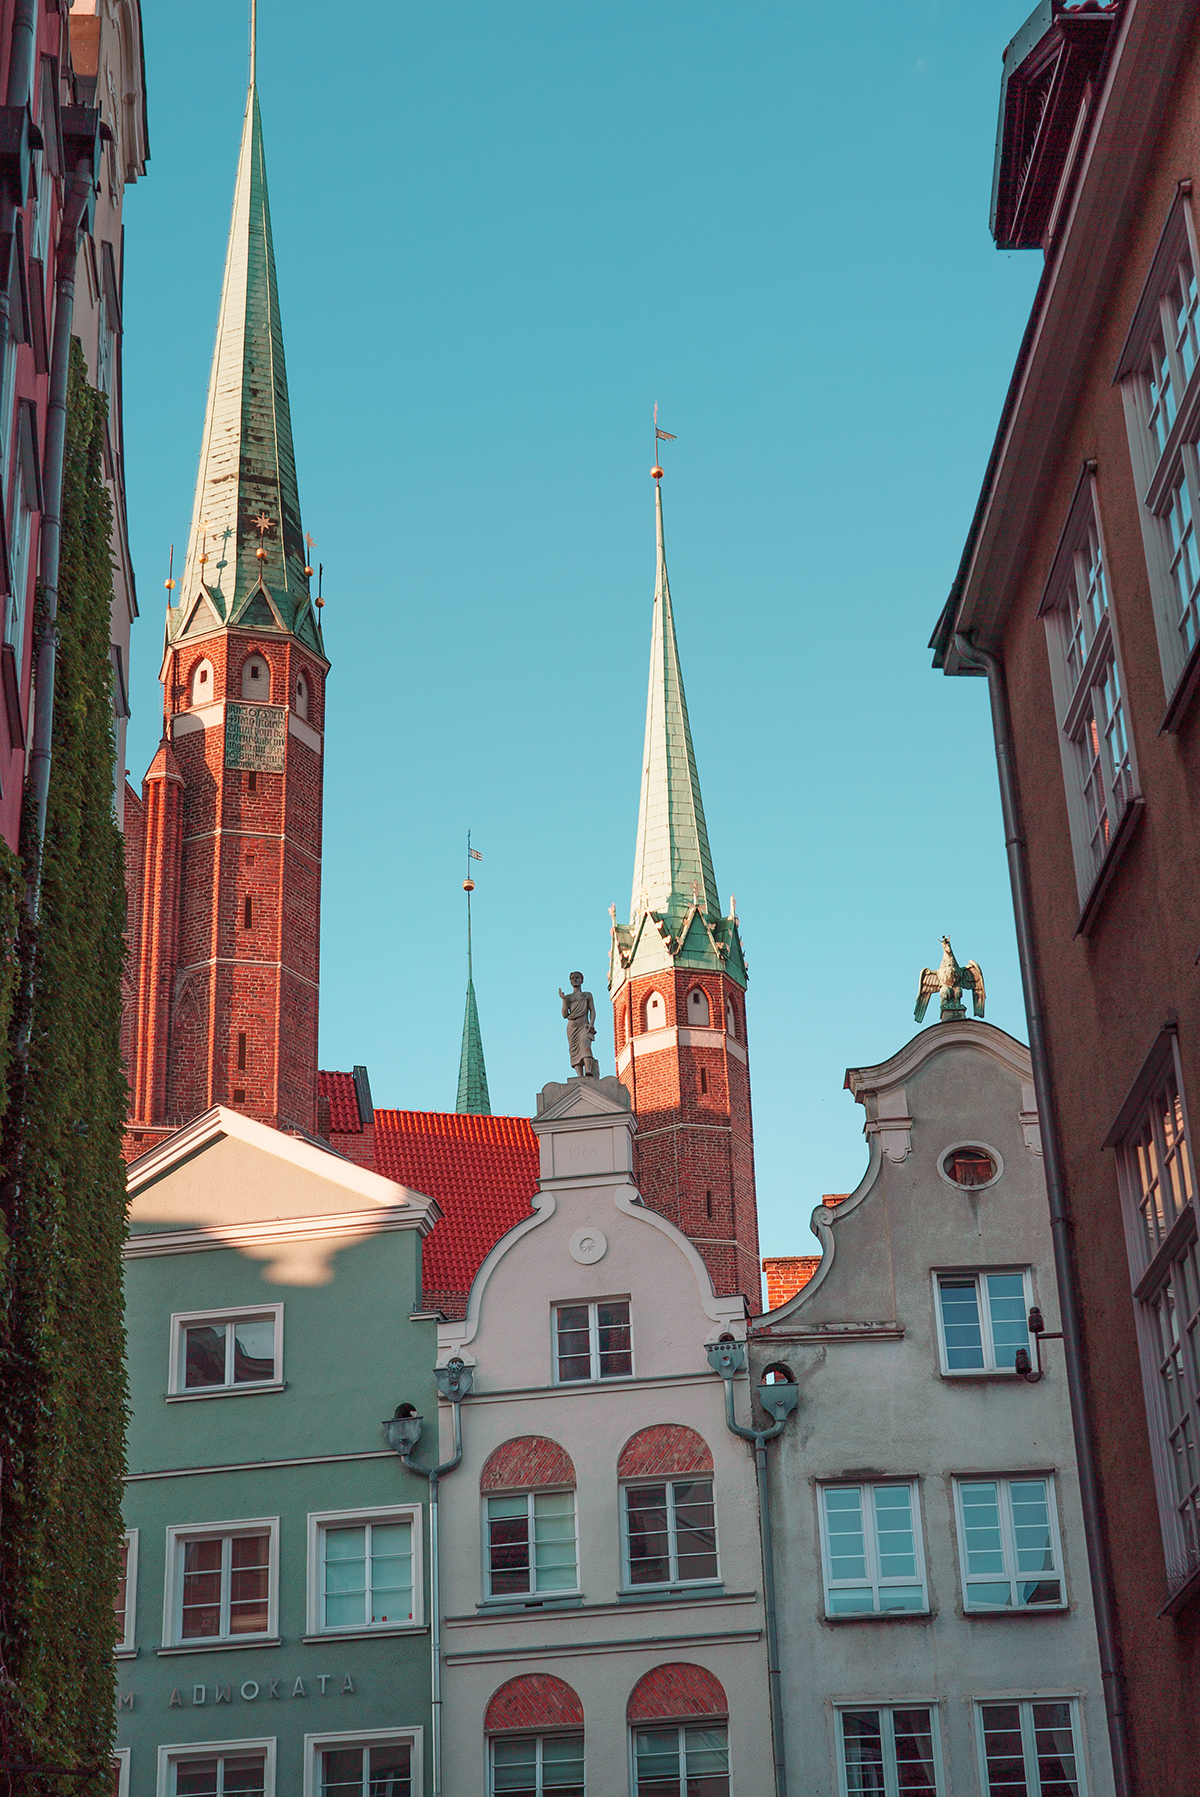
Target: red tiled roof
483	1171
338	1088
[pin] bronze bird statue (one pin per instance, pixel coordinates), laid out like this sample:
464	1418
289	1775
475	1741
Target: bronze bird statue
950	979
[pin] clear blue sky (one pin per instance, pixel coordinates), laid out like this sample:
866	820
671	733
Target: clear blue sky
503	231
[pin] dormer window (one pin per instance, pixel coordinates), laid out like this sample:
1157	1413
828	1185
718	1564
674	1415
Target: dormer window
256	679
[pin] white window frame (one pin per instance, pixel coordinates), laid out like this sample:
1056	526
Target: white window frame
874	1581
318	1522
195	1750
989	1369
1151	1269
1074	696
177	1535
540	1734
120	1756
533	1595
670	1480
177	1392
595	1376
314	1745
1011	1577
890	1773
1158	470
126	1648
1028	1751
634	1729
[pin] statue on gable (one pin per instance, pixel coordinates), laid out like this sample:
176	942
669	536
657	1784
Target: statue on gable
579	1009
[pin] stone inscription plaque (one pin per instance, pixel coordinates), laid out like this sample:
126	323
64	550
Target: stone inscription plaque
256	737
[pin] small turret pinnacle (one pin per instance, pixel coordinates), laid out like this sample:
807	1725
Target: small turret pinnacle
672	865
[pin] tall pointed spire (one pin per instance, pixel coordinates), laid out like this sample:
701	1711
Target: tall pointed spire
472	1074
245	559
672	867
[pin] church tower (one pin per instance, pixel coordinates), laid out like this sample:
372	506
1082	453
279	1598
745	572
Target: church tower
224	853
677	978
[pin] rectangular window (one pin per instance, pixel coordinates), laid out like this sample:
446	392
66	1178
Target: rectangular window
681	1762
1008	1543
1158	1199
531	1543
120	1773
381	1769
125	1601
248	913
871	1544
592	1341
1030	1749
1097	757
224	1769
222	1582
226	1351
671	1533
241	1051
983	1318
895	1753
364	1570
533	1765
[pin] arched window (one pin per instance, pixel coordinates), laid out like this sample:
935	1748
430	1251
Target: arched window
534	1726
678	1718
301	696
670	1524
528	1489
654	1011
731	1020
256	679
204	689
699	1013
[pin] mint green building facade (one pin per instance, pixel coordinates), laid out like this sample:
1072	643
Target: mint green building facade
276	1608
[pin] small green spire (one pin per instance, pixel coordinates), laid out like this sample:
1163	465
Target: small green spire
672	867
472	1074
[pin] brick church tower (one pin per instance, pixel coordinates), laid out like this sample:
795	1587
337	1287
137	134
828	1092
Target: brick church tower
677	978
224	850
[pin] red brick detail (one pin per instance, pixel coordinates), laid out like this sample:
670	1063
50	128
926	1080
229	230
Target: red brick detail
525	1463
675	1693
788	1274
535	1700
666	1449
831	1200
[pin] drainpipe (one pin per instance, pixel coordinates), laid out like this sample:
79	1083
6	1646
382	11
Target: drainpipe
75	202
454	1381
1095	1533
728	1357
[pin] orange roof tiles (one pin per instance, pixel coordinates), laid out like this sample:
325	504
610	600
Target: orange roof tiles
338	1088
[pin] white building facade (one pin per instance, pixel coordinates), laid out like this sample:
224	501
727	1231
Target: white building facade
600	1565
936	1620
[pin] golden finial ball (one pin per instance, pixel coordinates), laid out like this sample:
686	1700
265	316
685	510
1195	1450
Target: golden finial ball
656	472
468	885
308	573
170	585
261	553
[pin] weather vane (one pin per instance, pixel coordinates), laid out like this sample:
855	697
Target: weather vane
170	582
262	525
659	437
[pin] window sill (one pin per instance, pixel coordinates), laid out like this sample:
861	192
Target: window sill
671	1593
1123	835
881	1616
1180	702
126	1653
379	1634
223	1646
1006	1374
517	1606
1019	1613
225	1391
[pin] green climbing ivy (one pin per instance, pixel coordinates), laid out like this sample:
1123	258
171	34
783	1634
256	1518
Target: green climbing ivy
62	1381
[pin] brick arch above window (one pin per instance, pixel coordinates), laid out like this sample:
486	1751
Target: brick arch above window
675	1692
664	1448
536	1700
526	1463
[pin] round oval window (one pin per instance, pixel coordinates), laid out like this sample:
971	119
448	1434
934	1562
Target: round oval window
969	1166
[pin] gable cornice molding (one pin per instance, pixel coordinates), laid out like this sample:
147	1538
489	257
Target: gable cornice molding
968	1033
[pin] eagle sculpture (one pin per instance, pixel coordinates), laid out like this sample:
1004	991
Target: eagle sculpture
949	979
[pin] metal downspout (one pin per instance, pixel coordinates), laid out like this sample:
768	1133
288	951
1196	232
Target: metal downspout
760	1437
434	1475
1094	1528
50	545
19	92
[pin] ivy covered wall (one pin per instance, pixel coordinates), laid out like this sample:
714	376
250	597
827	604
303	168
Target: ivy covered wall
62	1192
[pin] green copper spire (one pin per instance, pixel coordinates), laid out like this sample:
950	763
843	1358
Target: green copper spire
672	867
246	493
472	1074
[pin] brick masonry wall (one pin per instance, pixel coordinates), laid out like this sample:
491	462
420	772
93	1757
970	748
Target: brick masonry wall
525	1463
788	1274
694	1150
675	1692
664	1449
536	1700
